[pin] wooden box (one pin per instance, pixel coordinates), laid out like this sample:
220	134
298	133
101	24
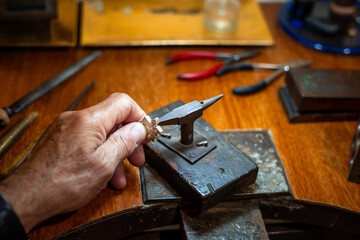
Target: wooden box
324	90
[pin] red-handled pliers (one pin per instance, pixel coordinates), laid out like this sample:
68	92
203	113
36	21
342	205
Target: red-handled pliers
226	57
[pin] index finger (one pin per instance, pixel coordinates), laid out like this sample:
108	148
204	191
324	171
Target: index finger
117	108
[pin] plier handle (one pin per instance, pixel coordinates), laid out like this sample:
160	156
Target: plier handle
256	87
226	57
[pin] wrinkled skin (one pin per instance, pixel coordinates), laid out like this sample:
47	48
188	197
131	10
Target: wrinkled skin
75	158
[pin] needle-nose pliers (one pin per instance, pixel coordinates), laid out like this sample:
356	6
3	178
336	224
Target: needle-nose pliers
227	58
280	69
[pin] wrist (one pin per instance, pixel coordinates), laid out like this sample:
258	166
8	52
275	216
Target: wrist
10	225
22	202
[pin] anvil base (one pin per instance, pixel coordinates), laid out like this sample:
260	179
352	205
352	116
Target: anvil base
220	173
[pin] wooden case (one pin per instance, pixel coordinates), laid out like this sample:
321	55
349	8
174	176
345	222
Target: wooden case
324	90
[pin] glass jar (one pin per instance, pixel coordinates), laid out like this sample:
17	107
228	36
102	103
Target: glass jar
221	15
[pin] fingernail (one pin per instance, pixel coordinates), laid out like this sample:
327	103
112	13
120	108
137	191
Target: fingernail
139	133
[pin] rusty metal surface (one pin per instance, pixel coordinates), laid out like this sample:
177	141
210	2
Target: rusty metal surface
214	177
225	223
256	144
154	188
192	152
259	146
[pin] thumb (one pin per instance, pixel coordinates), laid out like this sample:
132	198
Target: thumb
123	142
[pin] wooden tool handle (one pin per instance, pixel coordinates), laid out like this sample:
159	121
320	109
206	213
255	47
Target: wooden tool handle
246	90
4	118
200	75
19	159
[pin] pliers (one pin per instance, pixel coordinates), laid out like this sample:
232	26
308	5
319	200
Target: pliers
227	58
280	69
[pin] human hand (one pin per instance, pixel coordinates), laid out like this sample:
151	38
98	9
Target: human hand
75	158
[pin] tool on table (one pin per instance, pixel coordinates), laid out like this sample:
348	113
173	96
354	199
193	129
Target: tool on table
81	95
8	139
16	162
245	90
247	66
195	158
7	112
226	57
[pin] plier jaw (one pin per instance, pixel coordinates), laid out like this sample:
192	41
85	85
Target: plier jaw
226	57
238	56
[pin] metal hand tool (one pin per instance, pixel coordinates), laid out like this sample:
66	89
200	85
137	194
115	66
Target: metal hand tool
82	94
16	162
245	90
7	112
247	66
186	116
226	57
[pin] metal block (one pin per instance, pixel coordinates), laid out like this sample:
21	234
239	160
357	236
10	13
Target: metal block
191	153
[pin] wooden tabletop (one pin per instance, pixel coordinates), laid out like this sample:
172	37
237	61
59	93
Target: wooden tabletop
315	155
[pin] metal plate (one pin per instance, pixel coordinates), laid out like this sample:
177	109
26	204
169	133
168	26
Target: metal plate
256	144
225	223
191	153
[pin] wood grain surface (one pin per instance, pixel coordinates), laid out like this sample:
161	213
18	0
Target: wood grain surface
315	155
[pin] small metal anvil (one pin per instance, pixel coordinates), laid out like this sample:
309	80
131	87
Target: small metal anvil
191	144
196	160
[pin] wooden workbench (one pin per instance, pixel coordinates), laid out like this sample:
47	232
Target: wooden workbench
315	156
